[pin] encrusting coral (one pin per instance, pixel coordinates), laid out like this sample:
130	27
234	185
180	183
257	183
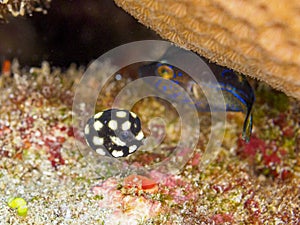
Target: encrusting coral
257	38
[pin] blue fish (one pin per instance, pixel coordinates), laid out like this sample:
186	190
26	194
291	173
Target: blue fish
238	93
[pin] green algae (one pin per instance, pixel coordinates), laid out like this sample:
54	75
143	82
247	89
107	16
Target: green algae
277	101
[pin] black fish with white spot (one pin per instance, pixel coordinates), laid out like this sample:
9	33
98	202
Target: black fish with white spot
114	132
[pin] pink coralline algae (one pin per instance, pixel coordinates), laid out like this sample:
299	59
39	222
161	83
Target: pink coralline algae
140	198
179	191
222	218
125	209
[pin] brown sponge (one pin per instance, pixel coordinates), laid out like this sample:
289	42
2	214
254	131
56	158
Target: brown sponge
259	38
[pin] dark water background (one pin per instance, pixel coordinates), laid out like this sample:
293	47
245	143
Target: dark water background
72	31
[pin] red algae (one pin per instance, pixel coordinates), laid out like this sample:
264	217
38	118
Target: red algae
267	157
54	148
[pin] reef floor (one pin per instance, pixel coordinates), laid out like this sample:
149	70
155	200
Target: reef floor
254	183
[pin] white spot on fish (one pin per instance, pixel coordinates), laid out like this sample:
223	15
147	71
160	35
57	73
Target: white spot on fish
121	114
133	114
132	148
140	136
113	124
98	140
98	115
117	154
98	125
117	141
126	125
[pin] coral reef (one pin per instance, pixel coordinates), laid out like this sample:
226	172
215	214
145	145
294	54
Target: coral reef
257	38
41	166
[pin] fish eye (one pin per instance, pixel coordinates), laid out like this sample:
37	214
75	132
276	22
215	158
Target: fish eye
126	135
165	71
